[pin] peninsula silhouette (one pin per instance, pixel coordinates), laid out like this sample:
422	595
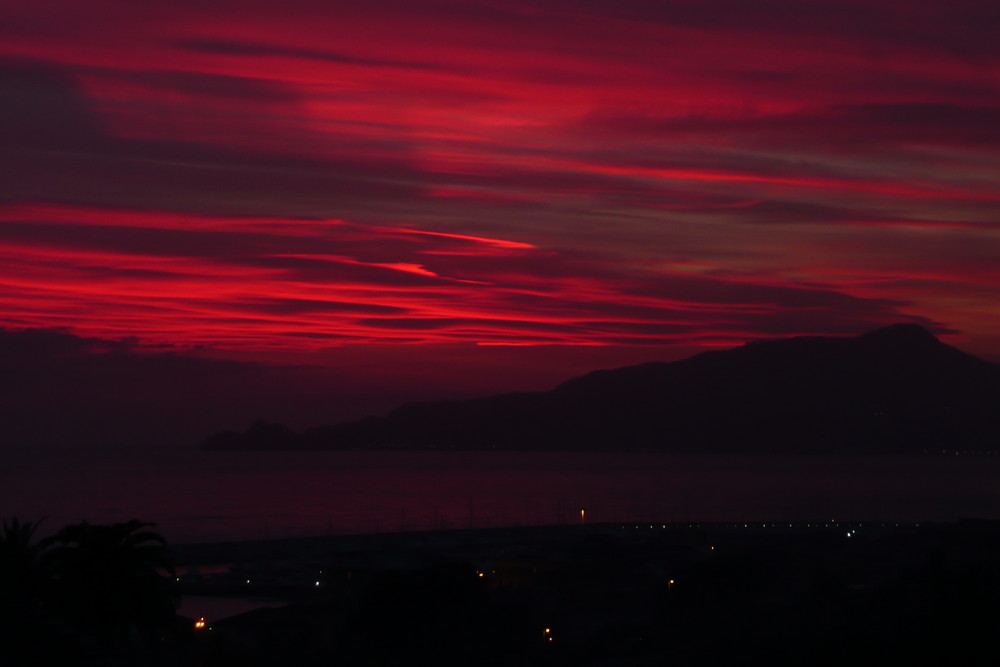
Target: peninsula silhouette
894	390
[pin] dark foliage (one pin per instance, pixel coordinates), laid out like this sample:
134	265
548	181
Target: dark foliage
22	572
84	595
110	579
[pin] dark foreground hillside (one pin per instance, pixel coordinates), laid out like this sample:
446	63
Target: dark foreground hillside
824	594
832	593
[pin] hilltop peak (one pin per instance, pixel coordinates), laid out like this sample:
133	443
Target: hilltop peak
894	390
901	335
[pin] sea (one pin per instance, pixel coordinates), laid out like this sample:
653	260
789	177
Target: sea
200	496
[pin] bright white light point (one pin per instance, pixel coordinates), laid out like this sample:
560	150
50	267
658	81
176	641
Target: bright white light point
317	583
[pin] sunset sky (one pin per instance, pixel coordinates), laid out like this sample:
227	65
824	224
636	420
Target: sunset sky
473	196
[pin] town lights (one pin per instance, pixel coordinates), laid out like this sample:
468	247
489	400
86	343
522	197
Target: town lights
200	624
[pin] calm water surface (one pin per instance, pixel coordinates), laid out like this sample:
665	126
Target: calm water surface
205	496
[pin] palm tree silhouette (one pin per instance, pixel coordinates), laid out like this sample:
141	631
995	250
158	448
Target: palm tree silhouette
111	579
28	635
22	573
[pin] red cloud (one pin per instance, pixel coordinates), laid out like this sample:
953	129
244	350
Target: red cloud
566	172
261	282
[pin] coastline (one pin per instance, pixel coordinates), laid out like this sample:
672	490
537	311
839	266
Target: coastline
298	569
618	593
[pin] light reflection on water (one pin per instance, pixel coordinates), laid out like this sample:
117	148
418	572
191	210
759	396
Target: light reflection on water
206	496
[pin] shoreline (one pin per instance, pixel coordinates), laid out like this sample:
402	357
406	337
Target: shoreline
278	548
611	593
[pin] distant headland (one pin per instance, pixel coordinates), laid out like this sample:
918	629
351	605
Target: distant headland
893	390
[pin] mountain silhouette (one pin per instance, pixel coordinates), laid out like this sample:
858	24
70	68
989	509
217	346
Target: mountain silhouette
894	390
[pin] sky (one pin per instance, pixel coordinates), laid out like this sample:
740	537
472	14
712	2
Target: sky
312	210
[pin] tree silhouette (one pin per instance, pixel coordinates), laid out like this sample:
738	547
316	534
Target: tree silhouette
22	572
29	637
110	579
